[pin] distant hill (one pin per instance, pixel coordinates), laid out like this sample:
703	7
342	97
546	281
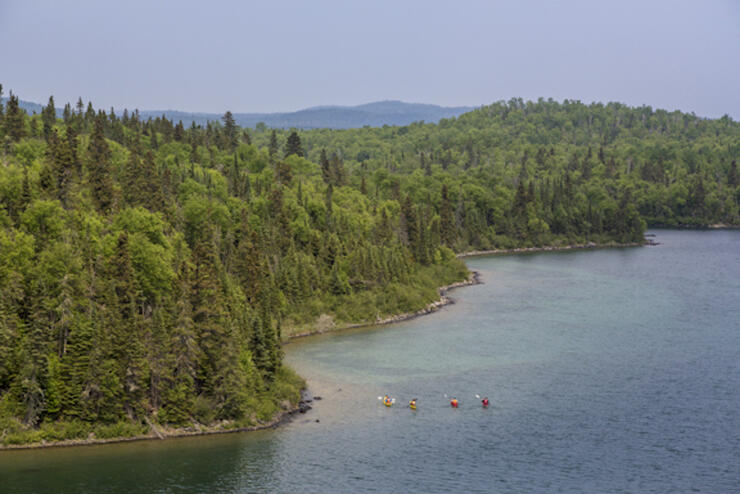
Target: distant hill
334	117
374	114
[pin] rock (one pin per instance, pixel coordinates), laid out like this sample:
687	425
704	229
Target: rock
317	398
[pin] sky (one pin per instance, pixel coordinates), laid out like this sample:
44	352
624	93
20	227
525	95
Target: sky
270	56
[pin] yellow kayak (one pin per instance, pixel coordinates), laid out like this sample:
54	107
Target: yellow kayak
413	407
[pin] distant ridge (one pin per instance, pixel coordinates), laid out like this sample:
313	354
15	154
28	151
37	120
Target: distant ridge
374	114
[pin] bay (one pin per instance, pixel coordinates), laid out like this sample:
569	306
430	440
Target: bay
607	370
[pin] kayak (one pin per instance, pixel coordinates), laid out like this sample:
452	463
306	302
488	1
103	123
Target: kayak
387	403
412	406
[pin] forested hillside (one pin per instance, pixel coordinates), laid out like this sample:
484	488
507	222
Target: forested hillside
149	270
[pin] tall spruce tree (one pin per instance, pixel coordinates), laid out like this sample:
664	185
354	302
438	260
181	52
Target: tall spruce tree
293	145
447	219
230	131
14	119
48	118
98	166
273	147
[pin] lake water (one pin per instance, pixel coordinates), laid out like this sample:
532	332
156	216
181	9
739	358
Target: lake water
607	370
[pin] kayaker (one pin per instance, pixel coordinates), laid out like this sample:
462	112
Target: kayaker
485	402
387	401
412	404
453	402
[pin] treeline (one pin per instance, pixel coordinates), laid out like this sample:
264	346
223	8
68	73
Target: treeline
148	270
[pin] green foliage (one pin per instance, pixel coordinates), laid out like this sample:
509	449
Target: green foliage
148	272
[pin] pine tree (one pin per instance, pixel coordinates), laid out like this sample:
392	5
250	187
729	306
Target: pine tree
230	137
14	120
447	219
326	172
293	145
127	336
183	355
248	265
48	117
208	312
179	133
99	176
273	148
89	115
337	170
410	224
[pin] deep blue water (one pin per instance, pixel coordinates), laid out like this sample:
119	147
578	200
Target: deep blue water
608	371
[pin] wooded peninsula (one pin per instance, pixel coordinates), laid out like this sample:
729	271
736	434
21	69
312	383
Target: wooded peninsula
149	270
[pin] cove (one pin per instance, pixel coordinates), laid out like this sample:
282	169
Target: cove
607	370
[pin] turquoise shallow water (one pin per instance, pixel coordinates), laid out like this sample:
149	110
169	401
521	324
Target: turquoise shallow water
607	370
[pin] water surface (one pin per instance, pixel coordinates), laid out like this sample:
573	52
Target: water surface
607	371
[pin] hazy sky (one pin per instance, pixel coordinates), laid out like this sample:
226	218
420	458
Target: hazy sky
267	56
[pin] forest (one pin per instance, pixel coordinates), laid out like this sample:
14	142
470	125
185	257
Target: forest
149	270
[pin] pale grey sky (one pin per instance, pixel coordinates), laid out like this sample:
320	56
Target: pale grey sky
269	56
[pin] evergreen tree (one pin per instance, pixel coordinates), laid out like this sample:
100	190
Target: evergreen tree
48	117
99	176
273	148
179	133
337	170
208	313
64	159
230	131
410	224
14	119
293	145
183	355
326	172
447	219
126	335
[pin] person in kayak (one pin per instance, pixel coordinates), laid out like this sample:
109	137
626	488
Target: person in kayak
412	404
387	401
453	402
485	402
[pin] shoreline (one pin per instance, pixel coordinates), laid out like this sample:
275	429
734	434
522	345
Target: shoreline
551	248
159	433
474	278
688	226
